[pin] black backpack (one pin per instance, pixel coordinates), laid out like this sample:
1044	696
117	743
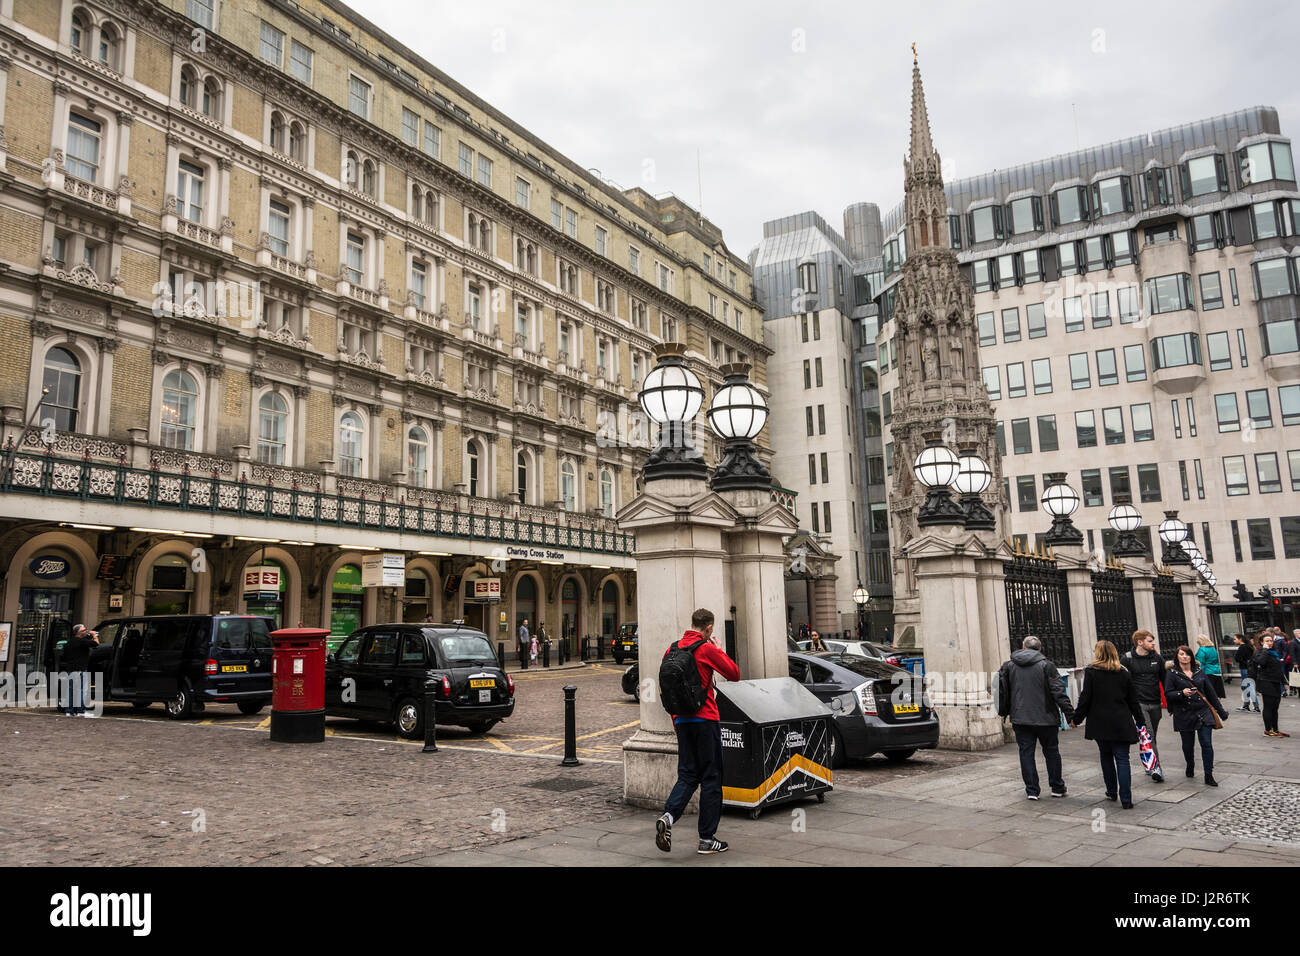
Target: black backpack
680	689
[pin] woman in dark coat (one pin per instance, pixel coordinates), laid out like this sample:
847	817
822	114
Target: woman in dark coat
1108	704
1191	695
1270	678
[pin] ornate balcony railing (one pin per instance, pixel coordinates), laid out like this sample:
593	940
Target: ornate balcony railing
356	505
90	192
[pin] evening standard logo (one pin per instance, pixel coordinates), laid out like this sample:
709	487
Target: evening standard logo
794	739
76	909
732	738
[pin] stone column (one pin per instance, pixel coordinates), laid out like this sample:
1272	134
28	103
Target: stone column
679	526
1073	560
1197	621
4	86
756	573
991	585
948	589
1143	577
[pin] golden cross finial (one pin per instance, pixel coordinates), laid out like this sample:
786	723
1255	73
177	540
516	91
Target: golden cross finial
913	54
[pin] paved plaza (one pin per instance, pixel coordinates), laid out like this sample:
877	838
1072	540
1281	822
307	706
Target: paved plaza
134	788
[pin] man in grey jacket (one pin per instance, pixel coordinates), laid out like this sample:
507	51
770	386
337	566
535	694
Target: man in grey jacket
1032	694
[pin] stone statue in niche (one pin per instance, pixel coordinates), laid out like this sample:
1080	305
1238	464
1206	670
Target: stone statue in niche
929	357
958	360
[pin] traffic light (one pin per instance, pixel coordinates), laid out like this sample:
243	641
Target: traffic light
1242	592
1266	593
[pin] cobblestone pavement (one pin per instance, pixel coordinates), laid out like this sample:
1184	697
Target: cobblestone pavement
136	788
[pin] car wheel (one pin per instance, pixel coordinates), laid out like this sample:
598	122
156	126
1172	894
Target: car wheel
140	704
630	682
898	756
838	756
249	707
409	719
181	707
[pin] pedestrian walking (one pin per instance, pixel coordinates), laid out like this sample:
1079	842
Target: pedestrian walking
541	634
1242	658
1111	714
1207	656
1269	681
75	663
1194	704
1032	694
523	643
695	658
1147	669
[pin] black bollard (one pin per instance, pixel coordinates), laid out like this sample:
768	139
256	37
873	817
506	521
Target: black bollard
570	728
431	716
501	655
600	648
546	654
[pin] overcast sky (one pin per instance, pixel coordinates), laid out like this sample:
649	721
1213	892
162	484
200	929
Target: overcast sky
804	105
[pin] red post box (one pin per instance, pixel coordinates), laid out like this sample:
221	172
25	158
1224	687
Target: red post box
298	685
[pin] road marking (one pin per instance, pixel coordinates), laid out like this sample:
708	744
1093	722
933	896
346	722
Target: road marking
264	725
597	733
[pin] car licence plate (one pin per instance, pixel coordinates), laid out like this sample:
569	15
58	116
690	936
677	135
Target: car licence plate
483	682
485	697
907	708
234	669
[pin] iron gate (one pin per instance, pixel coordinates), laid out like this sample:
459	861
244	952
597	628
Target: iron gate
1170	621
1112	601
1038	604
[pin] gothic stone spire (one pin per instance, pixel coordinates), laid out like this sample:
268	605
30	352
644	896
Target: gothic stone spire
926	206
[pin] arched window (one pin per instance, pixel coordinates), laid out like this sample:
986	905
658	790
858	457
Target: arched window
109	47
80	39
521	475
607	492
352	434
180	398
272	429
431	208
277	132
485	235
472	458
211	105
569	485
351	168
368	178
417	456
298	142
473	230
417	198
62	377
189	87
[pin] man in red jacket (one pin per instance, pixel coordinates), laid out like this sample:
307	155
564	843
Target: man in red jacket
699	743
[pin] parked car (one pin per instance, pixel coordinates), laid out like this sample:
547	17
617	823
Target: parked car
624	645
860	648
876	710
186	661
632	681
389	664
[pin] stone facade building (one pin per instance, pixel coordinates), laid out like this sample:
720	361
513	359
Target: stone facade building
297	296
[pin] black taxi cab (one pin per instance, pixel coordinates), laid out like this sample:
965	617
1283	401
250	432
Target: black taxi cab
379	673
624	643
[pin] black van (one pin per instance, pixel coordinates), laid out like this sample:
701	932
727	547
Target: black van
379	672
186	661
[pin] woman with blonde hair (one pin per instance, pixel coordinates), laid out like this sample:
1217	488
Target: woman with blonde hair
1207	655
1108	706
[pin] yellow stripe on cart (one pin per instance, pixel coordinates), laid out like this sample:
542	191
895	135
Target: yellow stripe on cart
738	796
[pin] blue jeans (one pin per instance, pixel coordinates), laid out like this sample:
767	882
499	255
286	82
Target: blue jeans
699	764
1028	736
1206	734
1248	693
1115	769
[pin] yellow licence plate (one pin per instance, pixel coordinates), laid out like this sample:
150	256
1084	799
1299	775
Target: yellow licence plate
485	682
907	708
234	669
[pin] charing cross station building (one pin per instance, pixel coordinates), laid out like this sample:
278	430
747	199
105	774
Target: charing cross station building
277	294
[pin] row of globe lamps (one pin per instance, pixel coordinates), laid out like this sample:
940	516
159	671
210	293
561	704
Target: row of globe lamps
938	468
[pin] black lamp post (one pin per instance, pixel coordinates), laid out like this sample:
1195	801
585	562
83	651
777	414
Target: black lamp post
860	598
973	479
1173	533
1126	519
737	414
671	396
936	468
1060	501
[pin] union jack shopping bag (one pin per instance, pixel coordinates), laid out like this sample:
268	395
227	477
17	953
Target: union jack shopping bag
1150	763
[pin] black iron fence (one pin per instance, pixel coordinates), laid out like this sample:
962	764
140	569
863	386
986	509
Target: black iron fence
1170	621
1112	600
1038	603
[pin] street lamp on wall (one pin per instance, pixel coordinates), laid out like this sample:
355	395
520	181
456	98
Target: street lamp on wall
1173	533
935	469
671	396
1060	501
973	479
860	598
737	414
1125	520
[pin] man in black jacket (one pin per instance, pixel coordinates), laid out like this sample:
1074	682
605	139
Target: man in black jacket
1147	669
75	661
1032	694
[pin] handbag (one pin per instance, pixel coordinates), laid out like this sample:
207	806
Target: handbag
1218	722
1293	678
